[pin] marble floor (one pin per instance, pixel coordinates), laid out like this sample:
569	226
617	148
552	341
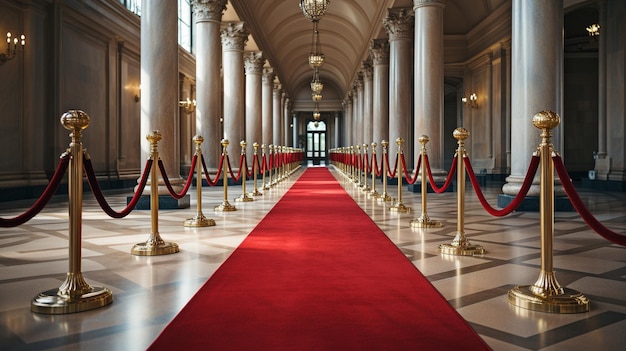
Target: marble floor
148	291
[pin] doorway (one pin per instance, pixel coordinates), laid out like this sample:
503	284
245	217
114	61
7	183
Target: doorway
316	142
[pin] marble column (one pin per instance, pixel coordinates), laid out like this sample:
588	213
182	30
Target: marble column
268	110
399	26
428	71
337	142
368	122
254	62
348	120
380	102
208	46
286	123
276	113
357	129
602	163
234	38
159	89
536	82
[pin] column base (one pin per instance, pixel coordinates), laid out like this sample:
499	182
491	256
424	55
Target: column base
531	203
50	302
571	301
166	202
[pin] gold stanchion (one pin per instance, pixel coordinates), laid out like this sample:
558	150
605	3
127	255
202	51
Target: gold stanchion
74	295
352	165
256	191
365	188
461	245
199	220
225	206
384	197
358	171
270	164
244	195
373	193
423	221
399	206
546	294
154	245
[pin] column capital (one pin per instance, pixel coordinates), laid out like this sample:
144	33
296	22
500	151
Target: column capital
379	50
234	35
208	10
268	76
358	82
423	3
278	90
399	23
367	70
253	61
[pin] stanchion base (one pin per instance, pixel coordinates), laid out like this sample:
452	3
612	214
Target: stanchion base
373	194
571	301
148	249
199	221
424	222
384	198
244	198
366	189
49	302
255	193
459	250
225	207
399	208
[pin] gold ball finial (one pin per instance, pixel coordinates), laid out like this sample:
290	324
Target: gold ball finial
384	143
225	142
546	120
424	139
243	143
75	120
255	144
400	141
374	144
198	139
154	136
460	133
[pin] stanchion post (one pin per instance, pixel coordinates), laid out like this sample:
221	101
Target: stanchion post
373	193
460	245
359	170
384	197
255	170
365	187
423	221
546	294
75	294
399	206
270	164
225	206
199	220
154	246
244	195
352	165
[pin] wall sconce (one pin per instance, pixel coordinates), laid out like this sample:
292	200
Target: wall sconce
10	54
472	101
188	105
593	30
138	94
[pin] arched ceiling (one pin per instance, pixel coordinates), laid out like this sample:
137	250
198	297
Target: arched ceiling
280	30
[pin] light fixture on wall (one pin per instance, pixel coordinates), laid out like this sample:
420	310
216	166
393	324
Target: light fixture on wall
472	101
11	54
593	30
138	93
188	105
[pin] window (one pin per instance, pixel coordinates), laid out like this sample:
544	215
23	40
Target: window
133	5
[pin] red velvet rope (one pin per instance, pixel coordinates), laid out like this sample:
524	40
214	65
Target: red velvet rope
230	169
448	178
366	164
578	204
528	181
395	167
173	193
264	164
51	188
411	180
219	171
97	192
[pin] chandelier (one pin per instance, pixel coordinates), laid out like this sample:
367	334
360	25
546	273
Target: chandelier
313	10
316	58
316	85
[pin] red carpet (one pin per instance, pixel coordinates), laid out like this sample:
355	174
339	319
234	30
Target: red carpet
317	274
